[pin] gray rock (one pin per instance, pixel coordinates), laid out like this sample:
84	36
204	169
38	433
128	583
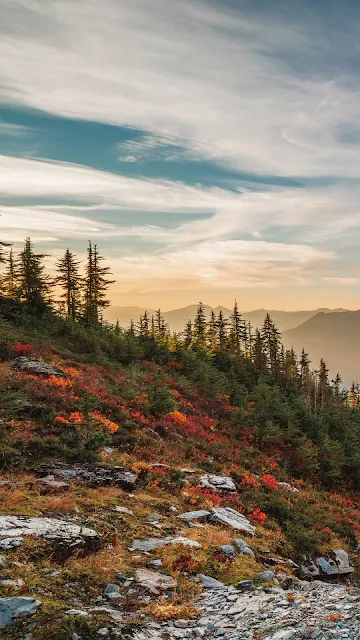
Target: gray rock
232	518
246	585
210	583
267	575
243	547
201	515
91	475
228	549
15	584
150	544
36	367
218	483
10	543
124	510
112	592
157	564
285	634
66	535
341	560
153	581
76	612
3	562
186	542
50	485
325	567
11	609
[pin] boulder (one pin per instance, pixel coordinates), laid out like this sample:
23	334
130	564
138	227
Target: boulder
232	518
210	583
149	544
50	485
154	582
124	510
92	476
3	562
11	609
186	542
246	585
67	536
10	543
336	563
228	549
341	559
112	592
201	515
243	547
218	483
36	367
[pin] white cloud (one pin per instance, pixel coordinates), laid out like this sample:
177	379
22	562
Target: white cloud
234	86
13	130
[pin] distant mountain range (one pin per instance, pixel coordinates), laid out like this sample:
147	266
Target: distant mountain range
335	337
177	318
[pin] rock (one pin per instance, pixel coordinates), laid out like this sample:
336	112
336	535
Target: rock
157	564
228	549
267	575
201	515
153	581
286	634
112	592
232	518
246	585
12	609
335	564
341	559
124	510
76	612
91	475
10	543
288	487
243	547
67	536
3	562
50	485
36	367
325	567
210	583
149	544
6	484
218	483
186	542
173	509
15	584
103	632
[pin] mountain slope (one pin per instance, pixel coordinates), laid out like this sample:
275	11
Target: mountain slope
335	337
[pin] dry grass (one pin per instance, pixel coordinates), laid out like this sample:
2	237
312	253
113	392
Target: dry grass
98	568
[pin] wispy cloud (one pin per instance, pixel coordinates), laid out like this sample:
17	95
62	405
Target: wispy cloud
151	147
13	130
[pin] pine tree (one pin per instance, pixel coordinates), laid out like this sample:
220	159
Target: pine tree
96	285
34	284
237	335
144	325
2	256
271	342
9	282
305	377
212	333
323	383
221	324
200	326
188	335
70	281
259	356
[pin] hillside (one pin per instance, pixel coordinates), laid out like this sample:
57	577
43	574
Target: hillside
332	336
177	318
107	439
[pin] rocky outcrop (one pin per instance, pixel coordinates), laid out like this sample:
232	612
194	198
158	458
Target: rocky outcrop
232	518
36	367
335	564
92	476
12	609
189	516
66	536
218	483
153	581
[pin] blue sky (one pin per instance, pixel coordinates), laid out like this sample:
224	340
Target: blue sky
212	149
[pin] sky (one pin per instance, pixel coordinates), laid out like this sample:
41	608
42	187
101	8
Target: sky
211	148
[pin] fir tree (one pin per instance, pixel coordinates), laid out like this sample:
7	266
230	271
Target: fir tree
237	331
34	284
271	342
70	281
221	331
188	335
259	356
96	285
212	330
9	282
200	326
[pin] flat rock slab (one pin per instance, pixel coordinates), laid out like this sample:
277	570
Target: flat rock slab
50	485
201	515
67	535
218	483
92	476
232	518
150	544
11	609
335	564
36	367
153	581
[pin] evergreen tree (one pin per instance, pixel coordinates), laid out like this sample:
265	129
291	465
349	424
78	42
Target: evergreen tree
259	356
212	333
221	331
34	284
237	334
144	325
271	342
9	282
96	285
323	383
188	335
200	326
70	281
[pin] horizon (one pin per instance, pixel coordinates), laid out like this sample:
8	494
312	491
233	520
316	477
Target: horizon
211	149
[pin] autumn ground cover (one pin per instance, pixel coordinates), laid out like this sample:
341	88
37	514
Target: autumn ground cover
138	414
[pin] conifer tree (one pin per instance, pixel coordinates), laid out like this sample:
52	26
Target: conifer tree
212	333
188	335
323	382
200	326
34	284
237	334
144	325
96	285
271	342
221	331
9	282
259	356
70	281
